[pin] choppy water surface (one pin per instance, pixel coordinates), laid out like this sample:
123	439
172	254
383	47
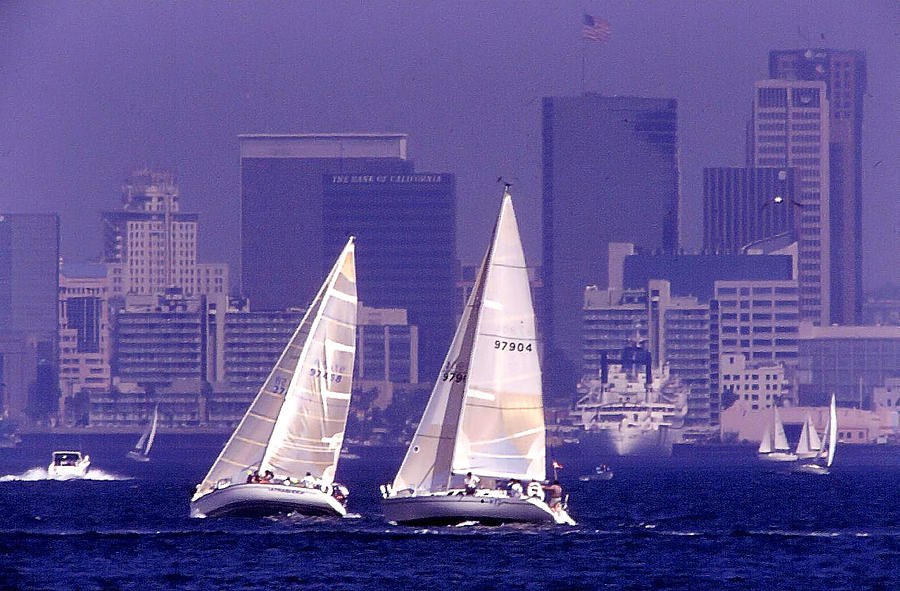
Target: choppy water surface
686	523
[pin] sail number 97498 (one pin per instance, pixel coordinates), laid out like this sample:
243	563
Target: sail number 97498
512	346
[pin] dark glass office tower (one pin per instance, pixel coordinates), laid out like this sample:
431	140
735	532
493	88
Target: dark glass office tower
844	74
405	228
282	231
29	320
610	174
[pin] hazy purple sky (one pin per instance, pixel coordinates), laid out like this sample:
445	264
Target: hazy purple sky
92	90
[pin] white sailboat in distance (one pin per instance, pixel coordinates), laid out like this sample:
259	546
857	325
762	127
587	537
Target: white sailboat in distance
809	444
141	451
825	457
485	416
774	446
283	455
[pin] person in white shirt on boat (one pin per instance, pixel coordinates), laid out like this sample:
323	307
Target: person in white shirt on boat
471	483
515	489
309	481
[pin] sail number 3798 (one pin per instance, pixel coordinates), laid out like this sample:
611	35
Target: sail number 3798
512	346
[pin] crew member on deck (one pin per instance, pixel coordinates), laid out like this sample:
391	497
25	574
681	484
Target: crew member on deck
555	492
471	483
308	481
515	489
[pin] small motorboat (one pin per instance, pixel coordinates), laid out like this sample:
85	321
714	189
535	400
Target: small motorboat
600	473
68	464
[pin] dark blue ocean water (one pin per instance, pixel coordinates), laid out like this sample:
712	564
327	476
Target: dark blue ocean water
717	522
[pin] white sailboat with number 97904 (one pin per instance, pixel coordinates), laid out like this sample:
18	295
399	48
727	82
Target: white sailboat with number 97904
283	455
484	422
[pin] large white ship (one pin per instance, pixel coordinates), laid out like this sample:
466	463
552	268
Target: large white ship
625	411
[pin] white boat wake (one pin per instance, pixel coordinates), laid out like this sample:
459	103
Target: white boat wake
36	474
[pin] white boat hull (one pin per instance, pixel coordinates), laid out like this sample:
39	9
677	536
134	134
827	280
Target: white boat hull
811	469
260	500
628	441
137	456
456	507
78	470
777	456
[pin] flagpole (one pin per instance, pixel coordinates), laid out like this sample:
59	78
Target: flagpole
583	54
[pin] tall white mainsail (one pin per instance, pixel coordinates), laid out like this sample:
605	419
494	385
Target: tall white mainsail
501	432
485	413
832	431
152	434
296	422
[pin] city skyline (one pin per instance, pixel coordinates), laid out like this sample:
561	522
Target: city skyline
334	72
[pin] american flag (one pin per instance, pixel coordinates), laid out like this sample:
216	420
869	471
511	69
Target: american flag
595	29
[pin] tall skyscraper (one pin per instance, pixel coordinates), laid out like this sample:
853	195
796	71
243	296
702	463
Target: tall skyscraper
302	195
406	248
790	128
743	206
844	75
282	206
610	174
29	282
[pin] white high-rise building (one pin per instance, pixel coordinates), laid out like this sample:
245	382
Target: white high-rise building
790	128
152	245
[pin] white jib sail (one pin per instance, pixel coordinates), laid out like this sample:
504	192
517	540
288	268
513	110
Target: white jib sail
250	439
781	442
815	444
832	431
426	466
501	432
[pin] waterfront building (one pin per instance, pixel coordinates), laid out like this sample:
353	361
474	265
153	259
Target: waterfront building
756	320
742	423
743	206
849	361
152	245
884	311
844	75
84	332
610	174
675	330
759	385
790	129
29	322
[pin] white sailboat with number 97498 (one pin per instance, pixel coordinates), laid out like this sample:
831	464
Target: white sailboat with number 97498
283	455
483	426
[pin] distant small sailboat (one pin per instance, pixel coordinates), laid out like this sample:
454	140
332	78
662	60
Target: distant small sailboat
141	451
809	444
774	447
485	418
821	463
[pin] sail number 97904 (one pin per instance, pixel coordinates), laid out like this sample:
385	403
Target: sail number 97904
512	346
